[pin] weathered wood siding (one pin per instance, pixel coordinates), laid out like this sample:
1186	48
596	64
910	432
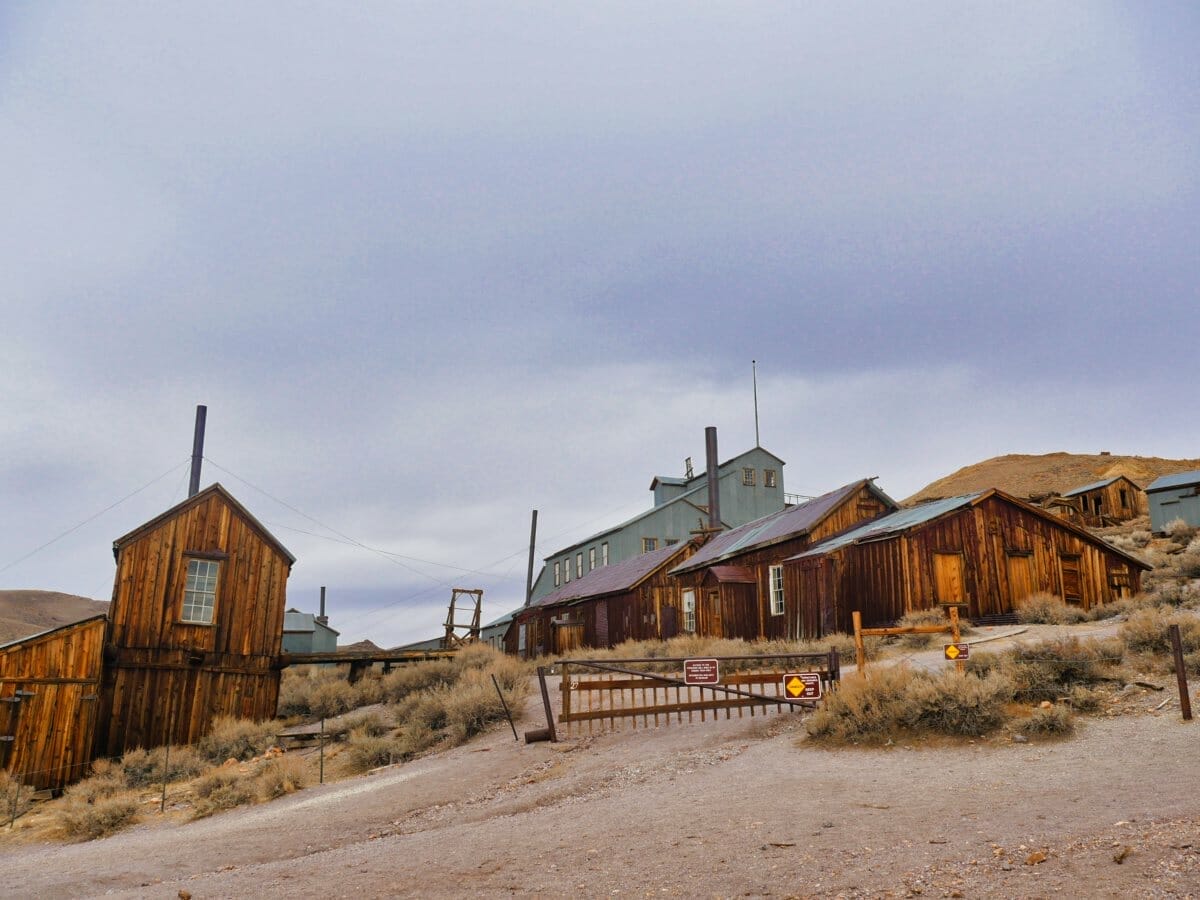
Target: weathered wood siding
57	677
992	555
168	679
1117	502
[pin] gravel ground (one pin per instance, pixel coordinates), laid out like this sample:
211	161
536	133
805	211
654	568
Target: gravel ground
740	808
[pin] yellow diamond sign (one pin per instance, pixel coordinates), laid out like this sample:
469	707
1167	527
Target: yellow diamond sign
951	652
958	651
795	687
802	686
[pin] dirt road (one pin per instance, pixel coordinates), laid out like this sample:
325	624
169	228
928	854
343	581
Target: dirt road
743	808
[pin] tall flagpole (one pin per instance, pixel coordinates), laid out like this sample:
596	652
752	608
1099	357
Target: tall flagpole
754	373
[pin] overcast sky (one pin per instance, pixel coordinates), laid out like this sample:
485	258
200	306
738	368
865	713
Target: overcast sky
431	266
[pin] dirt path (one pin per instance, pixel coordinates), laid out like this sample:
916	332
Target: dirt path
743	808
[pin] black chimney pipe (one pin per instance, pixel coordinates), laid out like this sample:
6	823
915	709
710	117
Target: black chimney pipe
322	618
714	491
529	571
197	450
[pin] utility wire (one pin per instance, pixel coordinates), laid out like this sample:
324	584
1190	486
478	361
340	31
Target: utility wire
92	518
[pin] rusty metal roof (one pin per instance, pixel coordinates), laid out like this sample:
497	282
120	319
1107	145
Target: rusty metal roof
732	574
892	523
1095	485
788	523
611	579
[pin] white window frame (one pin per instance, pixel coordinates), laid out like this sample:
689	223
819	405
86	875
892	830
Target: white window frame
557	574
591	558
604	554
649	544
748	478
579	564
567	570
775	579
200	591
689	611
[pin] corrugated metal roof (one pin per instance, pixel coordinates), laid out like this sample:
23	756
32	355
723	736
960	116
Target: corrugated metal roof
610	579
732	574
789	522
1179	479
1095	485
295	621
892	523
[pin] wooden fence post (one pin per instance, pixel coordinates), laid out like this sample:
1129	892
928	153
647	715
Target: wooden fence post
1185	701
956	635
546	703
860	650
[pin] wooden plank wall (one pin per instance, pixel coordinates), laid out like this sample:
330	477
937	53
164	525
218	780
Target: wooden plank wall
226	668
53	728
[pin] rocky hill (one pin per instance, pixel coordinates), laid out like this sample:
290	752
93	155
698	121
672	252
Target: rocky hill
23	613
1026	475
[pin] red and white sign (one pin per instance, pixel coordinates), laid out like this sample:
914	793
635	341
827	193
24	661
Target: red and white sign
802	686
701	671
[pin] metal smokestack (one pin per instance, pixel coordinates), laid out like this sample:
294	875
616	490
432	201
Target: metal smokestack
714	492
529	571
322	618
197	450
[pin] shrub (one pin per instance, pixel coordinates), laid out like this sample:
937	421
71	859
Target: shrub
231	738
918	618
332	698
15	798
1146	631
417	677
279	776
1085	699
1048	722
949	703
1050	669
370	723
140	768
1047	609
223	788
1180	531
364	752
83	821
1140	538
1188	563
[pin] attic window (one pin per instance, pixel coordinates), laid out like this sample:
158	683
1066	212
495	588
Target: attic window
748	476
769	478
200	591
649	544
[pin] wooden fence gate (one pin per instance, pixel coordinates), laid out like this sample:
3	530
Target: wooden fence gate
607	693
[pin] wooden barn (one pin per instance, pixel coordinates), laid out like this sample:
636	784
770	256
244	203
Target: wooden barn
987	550
734	585
195	626
630	600
1108	502
49	697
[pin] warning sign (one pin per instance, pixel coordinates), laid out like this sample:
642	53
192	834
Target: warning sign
958	651
701	671
802	686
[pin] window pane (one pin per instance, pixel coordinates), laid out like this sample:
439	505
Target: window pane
200	591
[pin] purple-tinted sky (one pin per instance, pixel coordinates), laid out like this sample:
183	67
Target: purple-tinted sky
433	265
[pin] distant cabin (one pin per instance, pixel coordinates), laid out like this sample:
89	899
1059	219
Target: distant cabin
307	633
1108	502
985	551
1174	497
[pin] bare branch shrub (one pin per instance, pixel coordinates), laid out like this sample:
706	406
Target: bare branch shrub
1048	609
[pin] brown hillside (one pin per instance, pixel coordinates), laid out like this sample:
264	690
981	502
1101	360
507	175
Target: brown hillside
1025	475
23	613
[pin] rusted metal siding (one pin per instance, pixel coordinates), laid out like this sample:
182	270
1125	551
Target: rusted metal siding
48	703
1006	551
168	679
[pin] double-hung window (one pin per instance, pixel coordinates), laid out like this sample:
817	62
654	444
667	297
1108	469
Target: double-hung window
604	554
557	574
591	558
776	576
200	591
689	611
579	564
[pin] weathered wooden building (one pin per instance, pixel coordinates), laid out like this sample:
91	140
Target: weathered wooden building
1108	502
49	698
195	626
986	550
734	585
1171	497
629	600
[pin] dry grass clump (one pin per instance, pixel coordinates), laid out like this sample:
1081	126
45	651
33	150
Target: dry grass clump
79	820
140	768
14	796
1180	531
898	701
223	788
369	723
1051	721
322	692
1051	669
1146	632
282	775
1047	609
240	739
410	679
918	618
366	751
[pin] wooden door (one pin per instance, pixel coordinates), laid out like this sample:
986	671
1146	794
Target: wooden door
948	578
668	626
715	627
568	637
602	624
1020	577
1071	585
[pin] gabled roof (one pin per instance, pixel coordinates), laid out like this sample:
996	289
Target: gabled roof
200	497
789	523
50	631
906	519
612	579
1096	485
1177	480
295	621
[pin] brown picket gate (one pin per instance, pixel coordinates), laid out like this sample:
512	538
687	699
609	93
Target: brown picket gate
610	693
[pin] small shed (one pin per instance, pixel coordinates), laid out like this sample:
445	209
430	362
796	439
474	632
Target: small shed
195	627
307	633
986	551
49	692
1174	497
1107	502
629	600
735	582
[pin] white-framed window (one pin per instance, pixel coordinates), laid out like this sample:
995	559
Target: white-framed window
591	558
567	570
748	476
200	591
557	574
775	573
521	638
579	564
689	611
770	478
649	544
604	554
